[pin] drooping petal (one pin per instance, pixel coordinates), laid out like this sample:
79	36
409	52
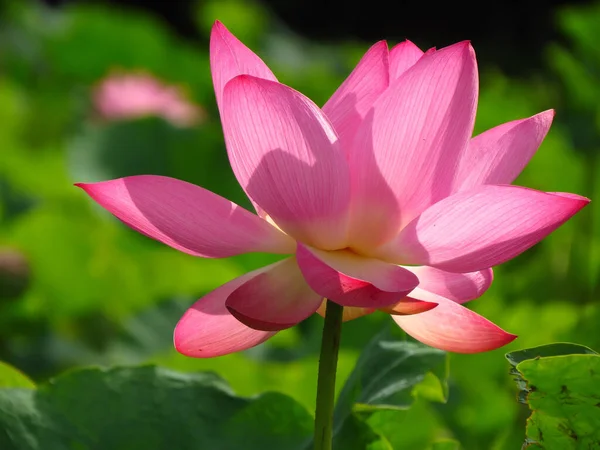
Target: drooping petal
352	280
458	287
207	329
406	150
277	297
408	306
498	156
349	104
187	217
230	58
402	57
285	154
478	229
453	328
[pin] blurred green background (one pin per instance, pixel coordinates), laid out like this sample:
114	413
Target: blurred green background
79	288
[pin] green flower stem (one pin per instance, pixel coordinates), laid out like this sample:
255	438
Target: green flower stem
330	345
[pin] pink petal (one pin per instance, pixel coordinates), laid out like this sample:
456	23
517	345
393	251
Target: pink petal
274	299
207	329
458	287
498	156
453	328
285	154
353	280
230	58
406	150
408	306
402	57
187	217
478	229
349	104
349	313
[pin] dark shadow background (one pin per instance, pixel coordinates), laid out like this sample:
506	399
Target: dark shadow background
509	34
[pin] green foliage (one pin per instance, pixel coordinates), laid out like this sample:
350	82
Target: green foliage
387	378
561	385
387	372
154	408
445	444
97	293
147	408
13	378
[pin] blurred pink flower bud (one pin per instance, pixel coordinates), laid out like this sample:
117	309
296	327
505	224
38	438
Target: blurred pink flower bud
133	95
15	273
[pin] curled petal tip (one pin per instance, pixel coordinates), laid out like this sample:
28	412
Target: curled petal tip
219	27
243	79
547	115
180	342
465	47
579	201
501	340
410	306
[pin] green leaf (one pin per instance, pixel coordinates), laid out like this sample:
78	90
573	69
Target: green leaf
357	434
147	408
387	373
445	444
388	376
556	349
414	428
561	385
11	377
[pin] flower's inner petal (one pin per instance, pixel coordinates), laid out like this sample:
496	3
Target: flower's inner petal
187	217
478	229
458	287
353	280
275	298
452	327
498	156
207	329
402	57
407	148
349	104
286	156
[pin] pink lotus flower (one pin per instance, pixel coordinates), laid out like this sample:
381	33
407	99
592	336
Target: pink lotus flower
134	95
382	198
